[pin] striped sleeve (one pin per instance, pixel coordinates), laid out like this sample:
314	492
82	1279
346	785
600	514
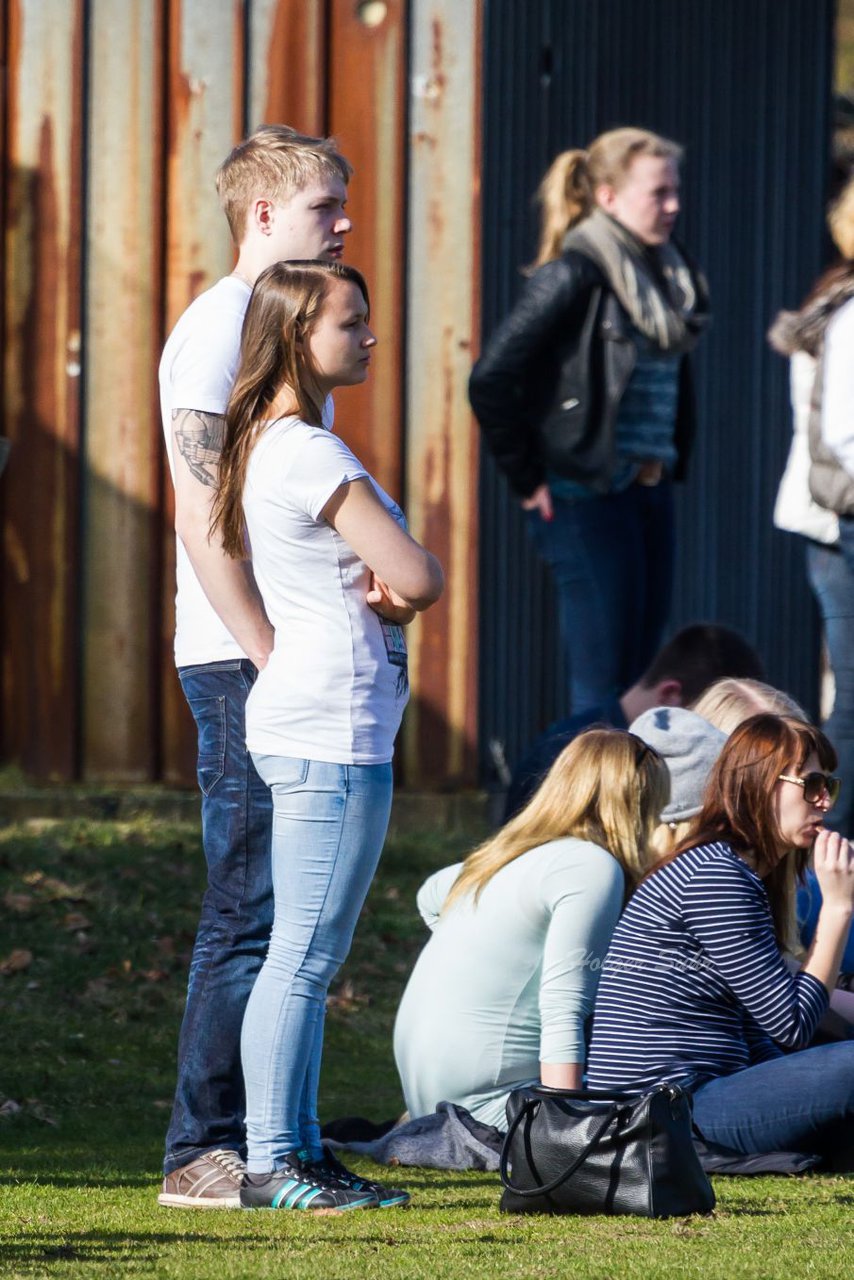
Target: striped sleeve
726	910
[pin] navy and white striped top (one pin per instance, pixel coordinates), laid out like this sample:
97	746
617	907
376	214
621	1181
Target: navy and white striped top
694	985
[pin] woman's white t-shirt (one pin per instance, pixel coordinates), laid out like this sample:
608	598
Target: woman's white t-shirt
336	683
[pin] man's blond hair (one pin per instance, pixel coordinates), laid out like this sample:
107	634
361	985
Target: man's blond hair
274	162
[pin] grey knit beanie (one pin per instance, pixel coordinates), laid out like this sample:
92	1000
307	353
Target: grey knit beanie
689	746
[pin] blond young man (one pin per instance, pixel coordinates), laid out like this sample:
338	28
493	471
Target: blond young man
284	195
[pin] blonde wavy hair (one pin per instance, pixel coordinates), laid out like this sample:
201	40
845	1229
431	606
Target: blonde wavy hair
606	786
567	193
727	703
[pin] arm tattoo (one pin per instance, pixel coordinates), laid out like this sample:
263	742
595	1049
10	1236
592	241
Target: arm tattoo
200	437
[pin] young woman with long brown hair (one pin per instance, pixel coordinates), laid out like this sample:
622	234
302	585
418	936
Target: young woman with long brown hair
695	989
338	574
501	992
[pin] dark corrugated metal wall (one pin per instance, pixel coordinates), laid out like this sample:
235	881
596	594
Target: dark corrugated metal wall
745	85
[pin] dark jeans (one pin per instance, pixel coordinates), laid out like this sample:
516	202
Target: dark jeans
612	561
236	919
800	1102
831	575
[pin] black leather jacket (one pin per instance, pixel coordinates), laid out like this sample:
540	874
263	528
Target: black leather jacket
548	386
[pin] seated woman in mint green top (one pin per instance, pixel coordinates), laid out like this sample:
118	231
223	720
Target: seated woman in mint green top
501	992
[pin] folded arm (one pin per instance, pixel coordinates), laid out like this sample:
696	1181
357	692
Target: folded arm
403	567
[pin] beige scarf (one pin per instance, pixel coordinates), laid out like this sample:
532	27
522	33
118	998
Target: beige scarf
669	306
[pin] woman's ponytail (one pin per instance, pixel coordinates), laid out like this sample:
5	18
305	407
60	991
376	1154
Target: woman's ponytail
565	197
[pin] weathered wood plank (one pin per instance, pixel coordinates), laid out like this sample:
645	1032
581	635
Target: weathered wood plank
43	235
287	64
122	437
367	83
441	442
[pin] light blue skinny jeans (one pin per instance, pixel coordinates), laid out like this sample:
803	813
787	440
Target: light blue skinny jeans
329	824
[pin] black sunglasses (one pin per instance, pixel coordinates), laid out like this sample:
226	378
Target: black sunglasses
816	786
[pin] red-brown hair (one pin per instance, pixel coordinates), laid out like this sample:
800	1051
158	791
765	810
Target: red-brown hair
738	804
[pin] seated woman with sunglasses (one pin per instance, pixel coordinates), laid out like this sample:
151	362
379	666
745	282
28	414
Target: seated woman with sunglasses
695	989
500	994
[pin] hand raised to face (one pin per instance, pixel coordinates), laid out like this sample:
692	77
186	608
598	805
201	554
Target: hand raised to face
834	869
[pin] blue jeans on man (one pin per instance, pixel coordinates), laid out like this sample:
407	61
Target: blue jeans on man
236	917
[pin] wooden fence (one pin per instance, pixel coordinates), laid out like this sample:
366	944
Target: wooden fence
116	114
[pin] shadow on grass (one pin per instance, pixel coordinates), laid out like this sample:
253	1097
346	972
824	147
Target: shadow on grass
108	1247
87	1181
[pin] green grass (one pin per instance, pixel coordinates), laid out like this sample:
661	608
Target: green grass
98	922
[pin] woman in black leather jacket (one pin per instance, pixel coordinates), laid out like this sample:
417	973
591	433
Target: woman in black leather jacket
584	397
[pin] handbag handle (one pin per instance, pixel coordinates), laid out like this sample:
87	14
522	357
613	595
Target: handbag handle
594	1095
544	1189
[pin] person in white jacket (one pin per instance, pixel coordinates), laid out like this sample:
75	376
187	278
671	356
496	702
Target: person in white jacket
818	339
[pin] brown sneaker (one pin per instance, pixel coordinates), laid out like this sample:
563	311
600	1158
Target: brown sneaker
210	1182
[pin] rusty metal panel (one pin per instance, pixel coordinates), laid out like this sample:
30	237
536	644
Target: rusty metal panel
122	435
441	440
366	92
43	231
287	64
205	119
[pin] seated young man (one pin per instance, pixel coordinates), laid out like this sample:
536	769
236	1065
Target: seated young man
696	657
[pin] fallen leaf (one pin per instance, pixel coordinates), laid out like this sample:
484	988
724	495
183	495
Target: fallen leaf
75	920
16	961
40	1111
58	890
20	902
346	999
54	890
154	975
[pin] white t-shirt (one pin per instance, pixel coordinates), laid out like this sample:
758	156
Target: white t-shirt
336	683
197	371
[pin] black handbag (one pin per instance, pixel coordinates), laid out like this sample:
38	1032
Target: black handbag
569	1151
